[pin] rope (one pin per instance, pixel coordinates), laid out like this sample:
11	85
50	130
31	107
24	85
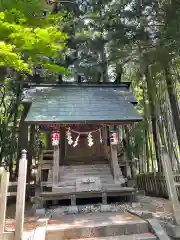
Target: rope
83	133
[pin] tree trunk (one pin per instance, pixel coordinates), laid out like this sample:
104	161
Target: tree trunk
30	151
146	128
173	102
23	135
103	60
128	150
153	117
13	136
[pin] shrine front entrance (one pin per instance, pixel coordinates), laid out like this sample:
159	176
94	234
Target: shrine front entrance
87	147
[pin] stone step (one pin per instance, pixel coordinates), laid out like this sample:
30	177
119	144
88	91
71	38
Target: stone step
82	167
85	170
73	183
86	163
75	176
85	174
142	236
47	155
77	173
95	225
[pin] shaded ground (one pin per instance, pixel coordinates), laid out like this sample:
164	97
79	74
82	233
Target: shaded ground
30	222
160	207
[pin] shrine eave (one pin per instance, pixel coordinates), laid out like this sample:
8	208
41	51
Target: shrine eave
99	122
83	105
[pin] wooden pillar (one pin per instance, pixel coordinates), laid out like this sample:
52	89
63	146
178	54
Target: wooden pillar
128	168
30	154
105	145
56	165
49	141
118	177
3	198
62	146
21	193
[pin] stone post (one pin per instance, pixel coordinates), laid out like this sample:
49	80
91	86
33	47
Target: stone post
21	193
3	198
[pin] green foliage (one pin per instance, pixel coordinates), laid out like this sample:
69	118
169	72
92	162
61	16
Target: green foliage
8	57
29	10
25	44
108	36
28	40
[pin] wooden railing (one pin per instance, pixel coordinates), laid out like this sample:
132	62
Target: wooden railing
20	200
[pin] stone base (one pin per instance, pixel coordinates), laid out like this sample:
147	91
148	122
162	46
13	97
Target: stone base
57	212
72	210
172	230
42	222
105	208
142	214
40	212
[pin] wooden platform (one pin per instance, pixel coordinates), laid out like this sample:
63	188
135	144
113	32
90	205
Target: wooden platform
129	193
94	179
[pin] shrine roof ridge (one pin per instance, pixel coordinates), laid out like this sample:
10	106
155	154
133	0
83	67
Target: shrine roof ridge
82	84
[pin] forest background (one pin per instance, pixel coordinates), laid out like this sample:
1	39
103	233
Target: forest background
101	41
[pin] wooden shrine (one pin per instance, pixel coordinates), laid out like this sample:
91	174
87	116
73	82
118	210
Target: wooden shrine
84	123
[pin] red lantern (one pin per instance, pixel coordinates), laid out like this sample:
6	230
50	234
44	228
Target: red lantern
55	138
114	138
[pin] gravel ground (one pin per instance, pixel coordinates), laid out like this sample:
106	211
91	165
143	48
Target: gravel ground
161	209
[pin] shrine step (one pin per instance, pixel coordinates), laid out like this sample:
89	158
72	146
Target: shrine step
86	172
65	183
98	226
142	236
90	166
85	169
69	174
90	172
85	161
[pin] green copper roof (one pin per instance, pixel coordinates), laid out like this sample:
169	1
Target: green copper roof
81	104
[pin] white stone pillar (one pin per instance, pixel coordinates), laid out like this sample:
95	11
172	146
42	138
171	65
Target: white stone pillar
21	194
3	198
